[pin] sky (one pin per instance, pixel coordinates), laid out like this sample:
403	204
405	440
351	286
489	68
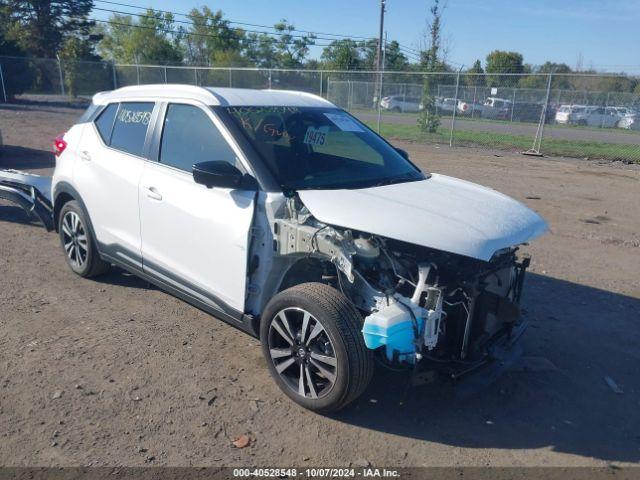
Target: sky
604	34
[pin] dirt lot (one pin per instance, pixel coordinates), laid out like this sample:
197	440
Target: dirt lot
111	372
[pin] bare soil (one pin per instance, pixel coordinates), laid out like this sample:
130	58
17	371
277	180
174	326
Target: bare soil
113	372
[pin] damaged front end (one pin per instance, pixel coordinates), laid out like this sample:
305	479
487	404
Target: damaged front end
429	310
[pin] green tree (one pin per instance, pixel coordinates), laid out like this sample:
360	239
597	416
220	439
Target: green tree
40	27
21	77
150	39
292	50
394	59
212	41
560	79
8	43
77	73
430	61
368	53
476	77
498	62
342	55
286	50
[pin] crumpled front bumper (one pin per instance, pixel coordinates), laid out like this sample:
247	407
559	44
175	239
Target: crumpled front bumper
500	357
29	191
470	378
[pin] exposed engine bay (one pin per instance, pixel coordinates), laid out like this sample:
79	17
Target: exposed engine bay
419	305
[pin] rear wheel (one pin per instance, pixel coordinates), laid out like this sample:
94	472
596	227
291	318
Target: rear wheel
312	342
77	242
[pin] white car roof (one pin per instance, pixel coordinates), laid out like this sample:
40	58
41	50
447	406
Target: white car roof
213	96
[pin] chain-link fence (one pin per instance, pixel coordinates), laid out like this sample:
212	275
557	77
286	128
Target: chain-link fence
576	115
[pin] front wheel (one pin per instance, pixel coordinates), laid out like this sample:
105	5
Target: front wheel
314	348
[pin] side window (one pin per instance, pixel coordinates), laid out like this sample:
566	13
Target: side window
130	128
104	123
189	137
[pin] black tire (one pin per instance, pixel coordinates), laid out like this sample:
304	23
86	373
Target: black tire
341	324
78	245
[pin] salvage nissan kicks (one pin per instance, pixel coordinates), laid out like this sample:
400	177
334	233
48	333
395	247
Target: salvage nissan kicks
288	218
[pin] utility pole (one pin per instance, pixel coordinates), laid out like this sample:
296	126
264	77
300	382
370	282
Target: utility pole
376	98
380	39
381	69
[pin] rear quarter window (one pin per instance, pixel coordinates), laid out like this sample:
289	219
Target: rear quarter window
130	127
104	122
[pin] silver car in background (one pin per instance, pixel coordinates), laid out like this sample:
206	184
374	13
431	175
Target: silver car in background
400	103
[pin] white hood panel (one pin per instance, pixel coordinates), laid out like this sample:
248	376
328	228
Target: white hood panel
441	212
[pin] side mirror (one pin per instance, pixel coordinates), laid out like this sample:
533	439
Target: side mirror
217	174
403	153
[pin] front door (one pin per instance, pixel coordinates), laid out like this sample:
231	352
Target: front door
193	237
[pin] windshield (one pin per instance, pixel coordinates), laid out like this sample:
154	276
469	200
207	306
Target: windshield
320	148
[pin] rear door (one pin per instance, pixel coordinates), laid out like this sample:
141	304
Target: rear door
193	237
108	173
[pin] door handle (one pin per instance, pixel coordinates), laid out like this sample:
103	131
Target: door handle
84	155
153	193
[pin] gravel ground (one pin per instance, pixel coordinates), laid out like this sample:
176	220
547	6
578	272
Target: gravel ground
113	372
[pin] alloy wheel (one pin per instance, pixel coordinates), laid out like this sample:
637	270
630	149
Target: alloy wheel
302	353
75	239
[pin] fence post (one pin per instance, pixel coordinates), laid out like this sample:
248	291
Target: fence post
165	74
115	77
269	79
606	104
60	73
230	78
544	113
537	141
321	82
138	73
4	90
379	98
455	109
513	103
475	93
195	74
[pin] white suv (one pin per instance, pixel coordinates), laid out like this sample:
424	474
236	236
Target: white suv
291	220
586	116
400	103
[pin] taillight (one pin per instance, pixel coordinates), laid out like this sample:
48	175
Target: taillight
59	145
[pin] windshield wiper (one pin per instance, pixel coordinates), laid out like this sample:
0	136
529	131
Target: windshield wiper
405	177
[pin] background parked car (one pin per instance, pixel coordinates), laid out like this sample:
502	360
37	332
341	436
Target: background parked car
586	116
630	121
400	103
470	108
497	108
445	106
531	111
619	112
